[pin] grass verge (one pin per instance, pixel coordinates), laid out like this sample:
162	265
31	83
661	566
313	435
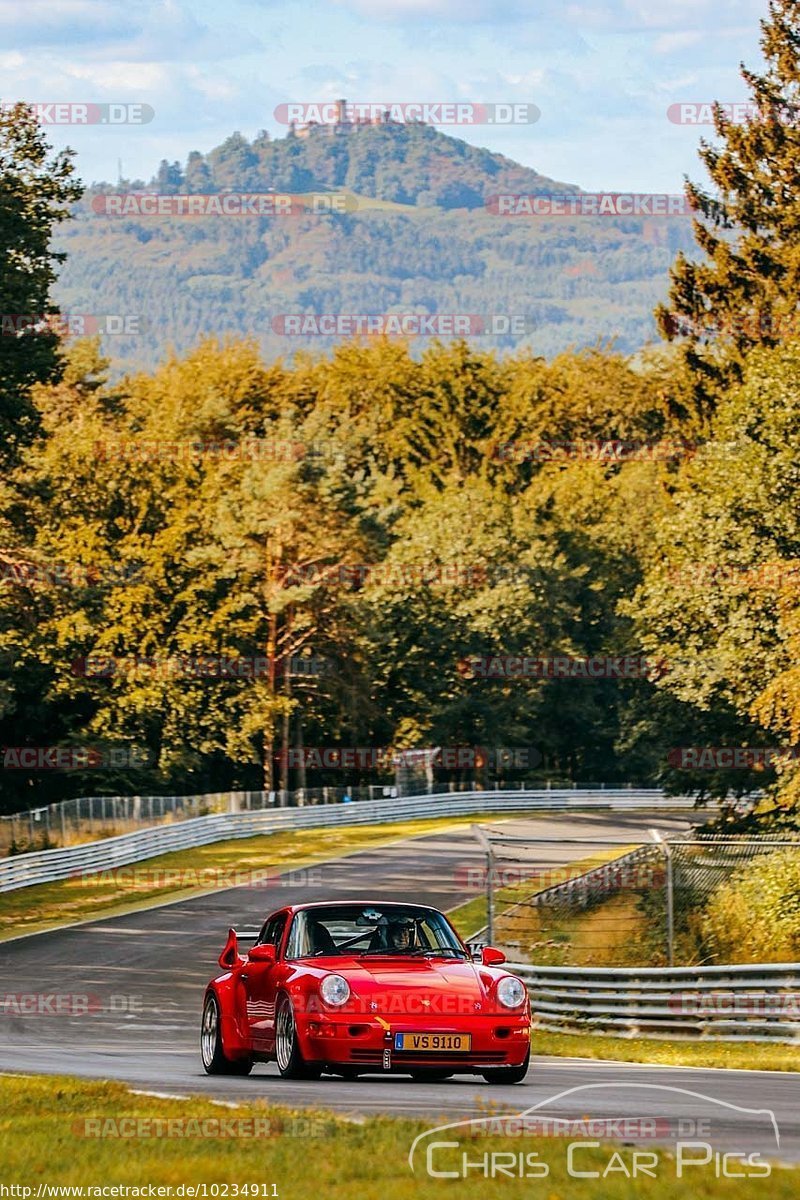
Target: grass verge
735	1056
83	1133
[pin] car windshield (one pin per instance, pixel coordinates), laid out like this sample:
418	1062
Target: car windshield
366	930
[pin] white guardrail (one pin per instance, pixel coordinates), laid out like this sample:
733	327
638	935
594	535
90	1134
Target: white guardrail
753	1003
47	866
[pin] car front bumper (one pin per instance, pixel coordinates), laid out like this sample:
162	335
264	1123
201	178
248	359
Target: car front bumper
498	1040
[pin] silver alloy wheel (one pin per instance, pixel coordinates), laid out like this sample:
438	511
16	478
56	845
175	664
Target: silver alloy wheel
284	1037
210	1031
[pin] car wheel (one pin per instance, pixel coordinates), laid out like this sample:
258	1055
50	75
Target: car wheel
291	1063
430	1076
508	1074
215	1060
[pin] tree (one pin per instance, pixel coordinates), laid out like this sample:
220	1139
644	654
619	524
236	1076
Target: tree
384	513
198	176
719	599
146	549
169	178
744	293
35	191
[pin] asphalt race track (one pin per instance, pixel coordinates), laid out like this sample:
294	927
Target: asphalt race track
145	974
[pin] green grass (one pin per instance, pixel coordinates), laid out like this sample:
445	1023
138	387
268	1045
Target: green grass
50	905
43	1127
740	1056
613	933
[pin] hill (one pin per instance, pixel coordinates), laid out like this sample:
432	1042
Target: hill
416	236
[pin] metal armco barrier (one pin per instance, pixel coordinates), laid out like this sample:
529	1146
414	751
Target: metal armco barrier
46	866
753	1003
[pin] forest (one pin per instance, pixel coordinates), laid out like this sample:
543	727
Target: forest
588	561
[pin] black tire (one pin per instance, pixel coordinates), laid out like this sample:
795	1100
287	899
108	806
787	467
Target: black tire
212	1052
431	1076
508	1074
288	1055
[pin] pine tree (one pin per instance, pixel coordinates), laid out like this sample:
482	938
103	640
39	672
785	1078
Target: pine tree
744	293
34	193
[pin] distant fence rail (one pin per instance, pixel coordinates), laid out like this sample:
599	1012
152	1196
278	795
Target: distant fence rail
752	1002
47	866
67	822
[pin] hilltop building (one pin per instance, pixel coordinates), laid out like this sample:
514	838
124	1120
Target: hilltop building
343	124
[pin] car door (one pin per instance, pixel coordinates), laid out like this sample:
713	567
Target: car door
260	980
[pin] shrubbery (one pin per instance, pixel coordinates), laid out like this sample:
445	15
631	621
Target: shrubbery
755	916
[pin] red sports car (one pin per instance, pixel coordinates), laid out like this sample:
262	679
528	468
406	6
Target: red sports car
351	988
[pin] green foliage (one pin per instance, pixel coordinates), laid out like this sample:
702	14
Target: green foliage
755	916
719	598
403	467
744	292
395	162
35	191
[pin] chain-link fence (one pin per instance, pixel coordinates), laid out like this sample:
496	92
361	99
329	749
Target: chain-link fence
592	901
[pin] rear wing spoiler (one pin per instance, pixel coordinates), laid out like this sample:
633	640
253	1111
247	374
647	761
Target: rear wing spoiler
230	953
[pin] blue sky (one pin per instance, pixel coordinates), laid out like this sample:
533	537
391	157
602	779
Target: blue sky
603	72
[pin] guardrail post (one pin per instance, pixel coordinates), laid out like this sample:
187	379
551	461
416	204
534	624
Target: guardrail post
487	846
670	898
670	906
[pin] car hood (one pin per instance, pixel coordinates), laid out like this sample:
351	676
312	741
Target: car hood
449	985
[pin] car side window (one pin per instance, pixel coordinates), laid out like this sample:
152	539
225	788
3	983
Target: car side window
297	945
273	931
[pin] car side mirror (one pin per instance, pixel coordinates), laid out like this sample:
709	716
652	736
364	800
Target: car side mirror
491	957
230	953
264	952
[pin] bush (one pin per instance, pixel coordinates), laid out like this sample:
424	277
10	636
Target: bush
755	916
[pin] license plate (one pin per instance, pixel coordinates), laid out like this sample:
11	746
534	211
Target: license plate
432	1042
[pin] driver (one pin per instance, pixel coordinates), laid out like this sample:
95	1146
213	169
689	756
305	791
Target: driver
401	934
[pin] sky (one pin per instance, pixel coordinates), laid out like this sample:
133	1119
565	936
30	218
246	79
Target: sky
603	73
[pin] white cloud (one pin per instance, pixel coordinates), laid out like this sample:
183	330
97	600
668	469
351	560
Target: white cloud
460	12
668	43
370	81
116	77
112	30
680	15
68	22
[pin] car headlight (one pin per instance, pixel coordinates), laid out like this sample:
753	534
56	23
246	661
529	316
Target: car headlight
334	989
510	992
